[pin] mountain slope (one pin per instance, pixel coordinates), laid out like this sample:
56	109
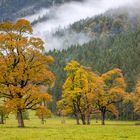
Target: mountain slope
13	9
91	28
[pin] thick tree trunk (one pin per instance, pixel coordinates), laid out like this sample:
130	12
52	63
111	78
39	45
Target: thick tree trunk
83	118
103	117
20	119
2	119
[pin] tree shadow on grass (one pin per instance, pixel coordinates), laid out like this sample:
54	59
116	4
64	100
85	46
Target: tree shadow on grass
47	127
26	127
118	124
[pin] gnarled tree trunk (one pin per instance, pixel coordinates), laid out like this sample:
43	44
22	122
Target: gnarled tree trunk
2	118
20	119
83	118
103	117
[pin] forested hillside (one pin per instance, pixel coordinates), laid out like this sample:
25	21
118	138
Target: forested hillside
116	44
104	25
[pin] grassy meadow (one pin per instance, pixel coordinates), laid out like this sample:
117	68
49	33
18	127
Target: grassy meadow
55	130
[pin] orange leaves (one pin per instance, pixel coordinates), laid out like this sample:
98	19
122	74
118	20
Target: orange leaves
64	108
49	59
23	67
6	26
111	91
138	88
114	82
117	94
112	75
120	82
66	111
43	112
37	43
13	104
44	96
112	109
22	43
137	107
23	25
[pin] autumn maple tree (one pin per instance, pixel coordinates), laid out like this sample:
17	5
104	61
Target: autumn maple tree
23	69
111	92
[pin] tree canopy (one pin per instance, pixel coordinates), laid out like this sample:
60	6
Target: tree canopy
23	68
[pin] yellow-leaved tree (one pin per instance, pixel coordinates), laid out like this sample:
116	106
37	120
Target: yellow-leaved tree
23	69
77	98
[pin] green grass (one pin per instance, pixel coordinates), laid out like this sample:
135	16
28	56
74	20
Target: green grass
55	130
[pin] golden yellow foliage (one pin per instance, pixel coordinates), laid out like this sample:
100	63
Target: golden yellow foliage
23	67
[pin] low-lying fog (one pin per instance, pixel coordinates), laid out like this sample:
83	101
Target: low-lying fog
62	16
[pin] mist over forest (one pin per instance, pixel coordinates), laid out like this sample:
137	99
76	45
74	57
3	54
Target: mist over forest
47	21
